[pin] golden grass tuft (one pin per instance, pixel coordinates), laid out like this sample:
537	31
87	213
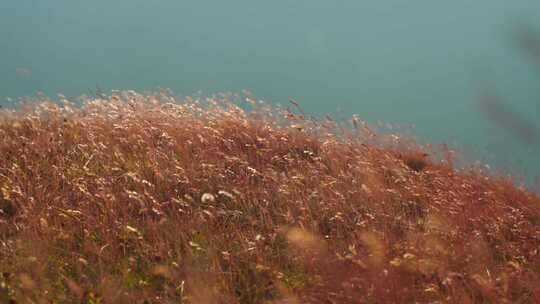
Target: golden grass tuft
150	199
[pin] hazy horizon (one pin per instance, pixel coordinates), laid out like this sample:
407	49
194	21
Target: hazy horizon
396	62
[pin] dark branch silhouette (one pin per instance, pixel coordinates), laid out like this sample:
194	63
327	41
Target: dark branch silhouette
529	40
504	116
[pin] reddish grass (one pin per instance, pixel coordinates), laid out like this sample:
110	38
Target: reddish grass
143	199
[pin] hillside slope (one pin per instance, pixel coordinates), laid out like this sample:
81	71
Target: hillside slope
142	199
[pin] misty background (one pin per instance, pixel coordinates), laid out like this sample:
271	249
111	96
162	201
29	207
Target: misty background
408	63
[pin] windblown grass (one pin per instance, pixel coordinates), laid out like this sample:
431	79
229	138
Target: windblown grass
143	199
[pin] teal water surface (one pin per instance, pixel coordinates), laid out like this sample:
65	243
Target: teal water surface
418	63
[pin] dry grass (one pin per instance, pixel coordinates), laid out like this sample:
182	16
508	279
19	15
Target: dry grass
143	199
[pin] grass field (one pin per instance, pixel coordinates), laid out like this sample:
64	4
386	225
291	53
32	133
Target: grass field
134	198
